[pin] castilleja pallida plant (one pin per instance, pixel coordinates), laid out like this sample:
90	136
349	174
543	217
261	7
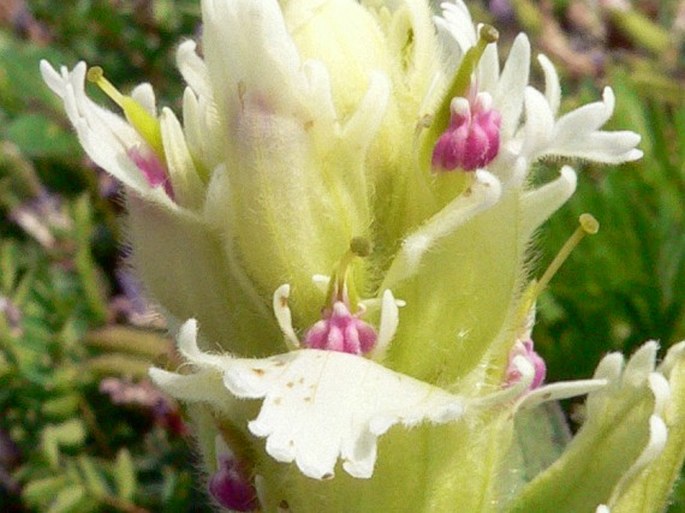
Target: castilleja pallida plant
339	230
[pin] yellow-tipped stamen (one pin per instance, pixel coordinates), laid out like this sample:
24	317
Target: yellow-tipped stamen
462	80
459	87
588	225
96	75
359	247
140	119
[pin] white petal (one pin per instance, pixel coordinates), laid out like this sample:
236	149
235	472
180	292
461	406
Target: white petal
577	134
187	186
283	315
53	79
488	70
539	127
387	327
539	204
641	364
456	21
508	95
323	405
145	96
587	118
187	346
603	509
318	406
599	146
193	69
552	85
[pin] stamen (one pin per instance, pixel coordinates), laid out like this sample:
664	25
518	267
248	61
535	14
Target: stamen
588	226
360	246
459	87
338	289
96	75
144	123
462	80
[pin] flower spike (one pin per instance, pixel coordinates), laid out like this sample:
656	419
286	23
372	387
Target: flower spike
304	125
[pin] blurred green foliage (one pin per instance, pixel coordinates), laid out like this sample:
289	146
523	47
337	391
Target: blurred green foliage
68	445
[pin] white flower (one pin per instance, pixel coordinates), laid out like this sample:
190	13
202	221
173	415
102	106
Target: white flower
530	128
106	137
319	406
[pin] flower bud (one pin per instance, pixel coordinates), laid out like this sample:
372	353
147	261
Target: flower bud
472	139
339	330
230	487
525	349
